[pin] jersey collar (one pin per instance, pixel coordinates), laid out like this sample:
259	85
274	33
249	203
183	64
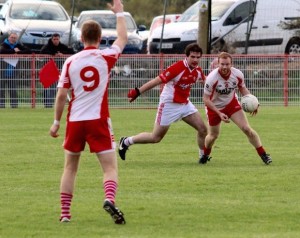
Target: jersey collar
90	48
187	65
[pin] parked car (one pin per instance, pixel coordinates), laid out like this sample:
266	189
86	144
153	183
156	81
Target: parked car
272	29
107	20
35	22
158	21
2	3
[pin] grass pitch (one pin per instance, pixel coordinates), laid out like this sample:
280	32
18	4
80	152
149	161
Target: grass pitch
163	191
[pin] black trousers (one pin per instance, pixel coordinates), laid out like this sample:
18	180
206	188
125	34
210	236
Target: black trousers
49	95
10	85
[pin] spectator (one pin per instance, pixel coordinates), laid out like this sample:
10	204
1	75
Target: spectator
8	81
58	50
55	47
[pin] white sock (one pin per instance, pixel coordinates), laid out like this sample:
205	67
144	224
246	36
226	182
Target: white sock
128	141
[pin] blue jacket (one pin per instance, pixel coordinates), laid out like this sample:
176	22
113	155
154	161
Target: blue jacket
8	48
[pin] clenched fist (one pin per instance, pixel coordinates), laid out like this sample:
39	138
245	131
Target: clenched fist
133	94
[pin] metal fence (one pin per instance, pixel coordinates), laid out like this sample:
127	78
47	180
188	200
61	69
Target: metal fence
274	79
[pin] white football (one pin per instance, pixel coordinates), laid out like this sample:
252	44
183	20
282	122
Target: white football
249	103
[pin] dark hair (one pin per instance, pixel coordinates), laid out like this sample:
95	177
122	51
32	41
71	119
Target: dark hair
193	47
55	35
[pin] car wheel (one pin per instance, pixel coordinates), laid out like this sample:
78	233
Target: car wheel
219	46
293	47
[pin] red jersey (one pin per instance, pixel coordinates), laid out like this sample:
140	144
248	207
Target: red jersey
178	79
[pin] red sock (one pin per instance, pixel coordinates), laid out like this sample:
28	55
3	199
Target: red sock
260	150
65	203
110	190
206	151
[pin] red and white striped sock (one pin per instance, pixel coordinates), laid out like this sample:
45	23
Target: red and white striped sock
65	205
110	190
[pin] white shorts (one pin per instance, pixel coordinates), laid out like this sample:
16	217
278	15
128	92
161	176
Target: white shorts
169	112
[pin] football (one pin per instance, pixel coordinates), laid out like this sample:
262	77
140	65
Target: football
249	103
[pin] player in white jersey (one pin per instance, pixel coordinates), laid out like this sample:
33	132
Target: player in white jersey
222	104
86	75
174	102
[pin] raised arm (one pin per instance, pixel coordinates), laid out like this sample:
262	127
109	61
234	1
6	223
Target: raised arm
117	8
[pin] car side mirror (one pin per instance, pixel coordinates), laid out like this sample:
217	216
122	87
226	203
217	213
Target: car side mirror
142	28
74	20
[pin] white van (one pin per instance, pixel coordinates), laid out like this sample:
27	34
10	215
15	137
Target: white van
275	28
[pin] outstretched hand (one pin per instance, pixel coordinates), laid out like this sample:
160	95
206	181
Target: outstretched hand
116	7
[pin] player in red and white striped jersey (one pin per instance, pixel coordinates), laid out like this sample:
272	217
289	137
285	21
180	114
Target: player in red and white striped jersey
174	102
222	104
86	75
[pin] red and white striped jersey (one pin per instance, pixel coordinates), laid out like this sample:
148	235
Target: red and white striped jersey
87	75
179	79
223	89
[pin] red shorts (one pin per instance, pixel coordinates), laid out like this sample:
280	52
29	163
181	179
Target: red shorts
232	107
97	133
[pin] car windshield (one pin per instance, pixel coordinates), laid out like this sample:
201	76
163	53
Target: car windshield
107	21
37	12
218	8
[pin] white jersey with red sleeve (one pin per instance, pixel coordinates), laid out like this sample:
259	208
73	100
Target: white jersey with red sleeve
87	75
179	79
223	89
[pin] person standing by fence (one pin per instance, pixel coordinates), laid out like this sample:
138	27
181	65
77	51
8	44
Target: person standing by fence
57	49
10	46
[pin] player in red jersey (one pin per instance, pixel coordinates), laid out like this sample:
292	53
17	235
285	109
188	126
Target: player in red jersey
174	102
86	75
222	104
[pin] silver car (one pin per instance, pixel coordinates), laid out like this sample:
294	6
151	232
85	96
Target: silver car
35	21
136	43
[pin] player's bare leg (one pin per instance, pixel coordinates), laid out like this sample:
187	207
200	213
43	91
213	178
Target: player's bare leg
212	136
155	136
67	184
197	123
241	121
109	166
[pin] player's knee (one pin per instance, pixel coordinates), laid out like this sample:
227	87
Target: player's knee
156	139
247	130
202	131
213	136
